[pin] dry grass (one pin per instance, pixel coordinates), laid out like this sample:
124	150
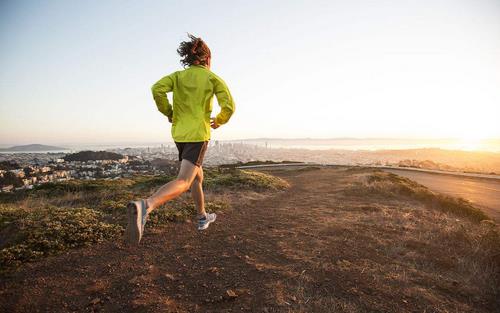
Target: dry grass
387	245
411	252
388	185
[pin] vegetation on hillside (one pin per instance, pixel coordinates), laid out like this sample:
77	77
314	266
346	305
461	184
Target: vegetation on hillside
92	156
250	163
242	179
55	217
10	178
31	234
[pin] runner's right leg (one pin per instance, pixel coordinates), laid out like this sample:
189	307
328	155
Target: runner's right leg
176	187
138	211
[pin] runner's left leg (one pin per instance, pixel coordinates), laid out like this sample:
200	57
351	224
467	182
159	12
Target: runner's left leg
197	193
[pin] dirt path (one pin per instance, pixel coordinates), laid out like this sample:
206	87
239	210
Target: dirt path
307	249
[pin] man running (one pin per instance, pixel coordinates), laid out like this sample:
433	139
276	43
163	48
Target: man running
193	90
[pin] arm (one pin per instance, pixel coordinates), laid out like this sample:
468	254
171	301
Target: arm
160	89
225	101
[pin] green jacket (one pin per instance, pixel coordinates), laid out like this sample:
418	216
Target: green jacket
193	88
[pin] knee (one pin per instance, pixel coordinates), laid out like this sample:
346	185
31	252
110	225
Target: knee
198	180
184	184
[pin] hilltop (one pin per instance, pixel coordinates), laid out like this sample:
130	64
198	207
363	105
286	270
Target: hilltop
88	155
312	239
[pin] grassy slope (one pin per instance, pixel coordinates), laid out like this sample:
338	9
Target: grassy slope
59	216
346	240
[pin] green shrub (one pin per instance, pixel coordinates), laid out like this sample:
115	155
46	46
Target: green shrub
49	231
242	180
60	188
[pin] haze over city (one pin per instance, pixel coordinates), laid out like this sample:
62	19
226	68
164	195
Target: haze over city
82	72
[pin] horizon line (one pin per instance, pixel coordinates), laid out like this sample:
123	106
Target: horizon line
258	139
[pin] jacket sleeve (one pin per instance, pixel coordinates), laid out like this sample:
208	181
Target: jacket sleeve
225	101
160	89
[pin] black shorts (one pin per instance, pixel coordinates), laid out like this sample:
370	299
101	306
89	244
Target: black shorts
192	151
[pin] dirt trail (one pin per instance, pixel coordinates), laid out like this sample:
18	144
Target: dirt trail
306	249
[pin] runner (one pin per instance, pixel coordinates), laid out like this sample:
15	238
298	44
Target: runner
193	90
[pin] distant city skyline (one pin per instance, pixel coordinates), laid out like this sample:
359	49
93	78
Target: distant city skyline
487	145
81	72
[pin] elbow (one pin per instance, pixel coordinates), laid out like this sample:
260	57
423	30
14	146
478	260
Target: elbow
154	89
230	110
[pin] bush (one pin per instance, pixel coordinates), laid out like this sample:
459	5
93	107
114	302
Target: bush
10	178
60	188
242	179
92	155
49	231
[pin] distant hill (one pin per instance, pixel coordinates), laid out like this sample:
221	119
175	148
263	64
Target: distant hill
32	147
92	156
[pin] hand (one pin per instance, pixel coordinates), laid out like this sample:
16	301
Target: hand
213	123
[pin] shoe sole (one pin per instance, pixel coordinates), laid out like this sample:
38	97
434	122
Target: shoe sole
207	224
133	227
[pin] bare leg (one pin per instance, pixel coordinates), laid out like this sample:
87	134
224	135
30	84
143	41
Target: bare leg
175	188
197	193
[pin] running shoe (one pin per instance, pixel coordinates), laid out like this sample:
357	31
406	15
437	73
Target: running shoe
137	212
203	222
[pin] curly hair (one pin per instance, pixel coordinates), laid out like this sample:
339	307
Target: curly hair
194	51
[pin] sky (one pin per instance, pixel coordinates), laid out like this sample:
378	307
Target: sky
81	71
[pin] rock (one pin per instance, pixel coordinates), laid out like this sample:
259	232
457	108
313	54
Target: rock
95	301
231	293
170	276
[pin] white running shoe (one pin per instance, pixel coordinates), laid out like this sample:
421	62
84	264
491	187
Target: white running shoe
203	222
